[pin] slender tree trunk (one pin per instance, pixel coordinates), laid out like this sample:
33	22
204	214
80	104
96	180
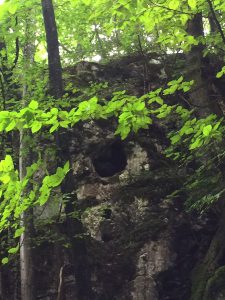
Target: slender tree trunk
26	260
197	69
25	159
55	90
74	227
213	27
54	63
101	47
7	85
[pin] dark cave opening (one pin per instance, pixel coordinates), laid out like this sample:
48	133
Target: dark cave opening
110	159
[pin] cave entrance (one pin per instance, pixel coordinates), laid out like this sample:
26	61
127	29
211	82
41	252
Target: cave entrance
110	159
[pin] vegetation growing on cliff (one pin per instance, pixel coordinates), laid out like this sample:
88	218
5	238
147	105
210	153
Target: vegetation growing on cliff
50	82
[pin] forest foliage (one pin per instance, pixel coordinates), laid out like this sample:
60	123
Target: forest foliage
104	30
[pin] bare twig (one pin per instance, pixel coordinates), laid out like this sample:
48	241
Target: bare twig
60	287
146	67
66	49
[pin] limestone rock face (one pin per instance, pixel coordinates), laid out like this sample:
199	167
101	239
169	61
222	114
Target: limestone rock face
154	258
126	239
137	242
118	234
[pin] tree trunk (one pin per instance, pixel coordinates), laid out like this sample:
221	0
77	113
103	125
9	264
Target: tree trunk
197	70
74	227
54	64
26	260
25	159
55	90
206	270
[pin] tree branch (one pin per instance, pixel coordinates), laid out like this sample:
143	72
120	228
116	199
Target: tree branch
216	20
171	9
17	49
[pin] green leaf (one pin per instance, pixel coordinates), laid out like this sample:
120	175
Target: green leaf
6	164
174	4
186	88
4	114
12	8
180	79
5	260
192	4
221	73
54	127
216	126
44	196
206	130
139	106
11	125
14	250
196	144
36	126
184	19
124	132
189	131
19	232
5	179
159	100
175	139
125	115
64	124
66	167
33	105
54	111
